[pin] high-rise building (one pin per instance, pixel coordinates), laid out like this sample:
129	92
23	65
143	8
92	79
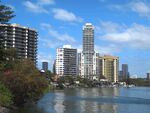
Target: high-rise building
54	67
88	50
79	63
109	66
125	72
23	39
148	75
45	66
66	61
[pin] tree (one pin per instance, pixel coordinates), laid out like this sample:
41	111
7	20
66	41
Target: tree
6	13
49	75
6	57
5	96
24	81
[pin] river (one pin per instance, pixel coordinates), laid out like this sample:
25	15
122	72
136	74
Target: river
94	100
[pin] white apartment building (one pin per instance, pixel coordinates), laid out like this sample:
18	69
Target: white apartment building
66	61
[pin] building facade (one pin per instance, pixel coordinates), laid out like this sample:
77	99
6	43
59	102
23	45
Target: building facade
109	67
23	39
148	75
45	66
125	72
66	61
88	51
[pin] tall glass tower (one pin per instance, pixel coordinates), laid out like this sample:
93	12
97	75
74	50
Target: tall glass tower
88	49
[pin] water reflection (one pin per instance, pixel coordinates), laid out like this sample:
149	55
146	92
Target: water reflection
94	100
59	103
94	106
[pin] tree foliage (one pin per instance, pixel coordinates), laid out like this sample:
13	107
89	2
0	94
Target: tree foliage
24	81
6	13
6	57
5	96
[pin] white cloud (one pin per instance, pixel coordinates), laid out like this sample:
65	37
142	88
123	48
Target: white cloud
107	50
49	43
46	2
136	36
108	26
44	58
59	36
142	8
33	7
102	0
38	7
64	15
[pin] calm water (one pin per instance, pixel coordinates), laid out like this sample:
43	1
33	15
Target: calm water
96	100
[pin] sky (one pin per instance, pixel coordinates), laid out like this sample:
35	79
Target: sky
122	27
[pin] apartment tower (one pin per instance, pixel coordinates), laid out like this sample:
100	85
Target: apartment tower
23	39
88	50
109	67
66	61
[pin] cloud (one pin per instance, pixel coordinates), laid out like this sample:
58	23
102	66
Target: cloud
35	8
136	35
142	8
38	7
64	37
46	2
49	43
108	26
64	15
102	0
108	49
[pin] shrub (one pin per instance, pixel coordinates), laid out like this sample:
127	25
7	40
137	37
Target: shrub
5	96
24	81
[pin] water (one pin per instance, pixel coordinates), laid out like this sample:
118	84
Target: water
96	100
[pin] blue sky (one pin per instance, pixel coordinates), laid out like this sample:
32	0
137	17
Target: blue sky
122	27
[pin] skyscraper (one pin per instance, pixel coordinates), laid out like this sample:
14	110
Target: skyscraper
45	66
88	50
23	39
66	61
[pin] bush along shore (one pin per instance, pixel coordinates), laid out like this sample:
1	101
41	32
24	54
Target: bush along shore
20	82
